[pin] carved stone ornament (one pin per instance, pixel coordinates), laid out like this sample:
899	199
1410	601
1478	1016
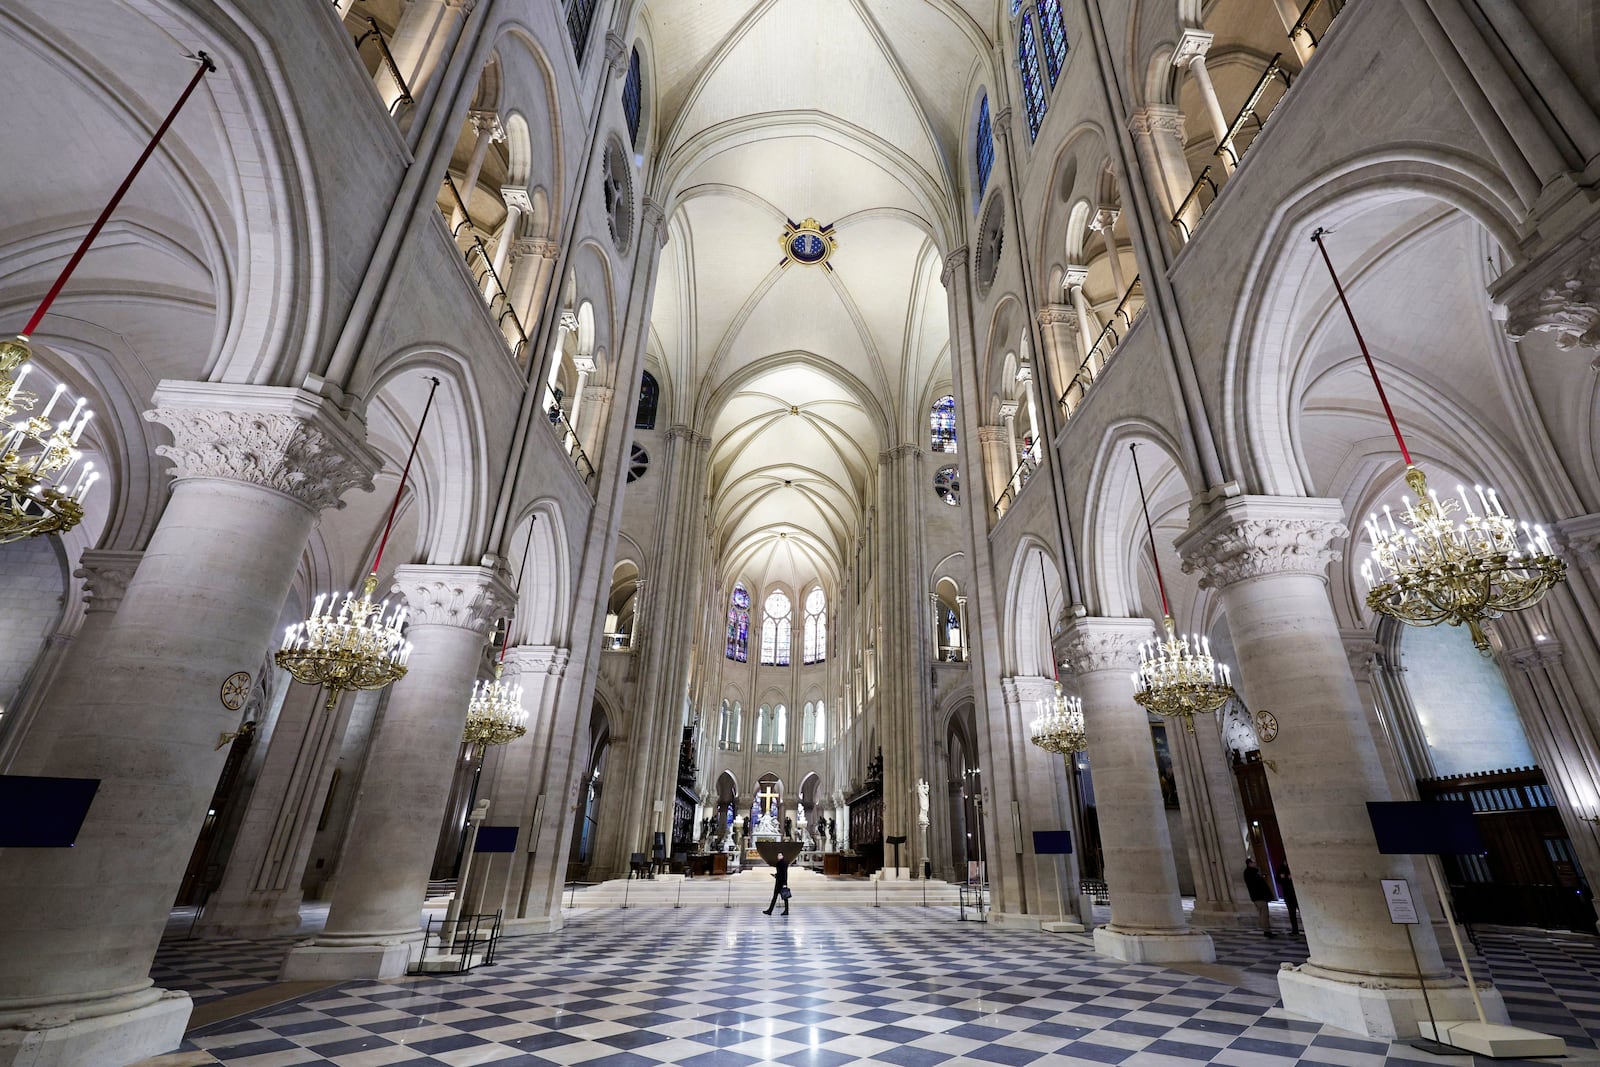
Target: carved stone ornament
1091	644
470	598
1058	315
527	660
1545	655
289	440
1568	307
106	575
955	261
1250	537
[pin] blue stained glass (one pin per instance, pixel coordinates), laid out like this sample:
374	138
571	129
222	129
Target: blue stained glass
580	16
984	152
1053	28
807	247
1033	98
942	420
633	97
739	625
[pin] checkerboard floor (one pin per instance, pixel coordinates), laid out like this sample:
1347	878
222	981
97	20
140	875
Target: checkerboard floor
828	987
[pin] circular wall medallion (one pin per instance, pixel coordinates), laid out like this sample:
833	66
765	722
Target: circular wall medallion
947	484
991	238
1266	725
616	187
638	463
236	690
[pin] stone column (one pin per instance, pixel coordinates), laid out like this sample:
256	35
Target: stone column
1267	557
1147	923
992	451
1157	131
1191	54
254	467
1008	413
961	615
105	575
533	261
1035	451
1213	823
514	786
486	124
260	891
1104	220
420	38
1088	323
1046	805
383	873
584	364
1058	325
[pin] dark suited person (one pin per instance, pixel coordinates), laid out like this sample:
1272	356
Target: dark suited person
780	885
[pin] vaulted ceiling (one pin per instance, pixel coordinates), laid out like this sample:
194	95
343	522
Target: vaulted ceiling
851	112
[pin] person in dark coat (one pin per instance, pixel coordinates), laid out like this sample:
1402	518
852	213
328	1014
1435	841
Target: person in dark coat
1290	901
780	883
1260	895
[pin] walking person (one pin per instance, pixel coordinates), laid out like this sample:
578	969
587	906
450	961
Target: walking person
780	885
1290	901
1260	894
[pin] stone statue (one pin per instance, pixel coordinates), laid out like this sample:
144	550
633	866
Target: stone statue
922	802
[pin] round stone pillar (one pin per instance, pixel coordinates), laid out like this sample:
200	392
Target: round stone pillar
1267	557
383	875
254	466
1147	921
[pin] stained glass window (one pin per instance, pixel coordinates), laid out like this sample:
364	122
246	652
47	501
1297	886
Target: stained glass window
633	97
739	625
984	150
816	649
776	630
649	398
1033	98
942	420
1053	30
947	483
580	16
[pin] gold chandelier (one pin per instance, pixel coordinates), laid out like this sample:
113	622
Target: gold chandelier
361	645
495	716
39	454
1059	727
1429	568
1177	678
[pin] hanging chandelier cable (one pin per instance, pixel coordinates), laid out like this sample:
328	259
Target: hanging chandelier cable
1177	678
1430	569
38	455
361	645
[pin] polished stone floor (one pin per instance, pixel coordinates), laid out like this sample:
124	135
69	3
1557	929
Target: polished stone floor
835	986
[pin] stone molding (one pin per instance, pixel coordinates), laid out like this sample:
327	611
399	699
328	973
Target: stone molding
470	598
654	216
617	52
1363	652
1058	315
1579	538
1254	536
1094	644
1023	689
1564	301
538	659
290	440
106	574
1544	655
487	123
542	247
1156	118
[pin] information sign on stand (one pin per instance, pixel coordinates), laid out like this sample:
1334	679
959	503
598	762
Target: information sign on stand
1397	894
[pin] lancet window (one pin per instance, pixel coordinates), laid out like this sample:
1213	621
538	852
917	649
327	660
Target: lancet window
739	625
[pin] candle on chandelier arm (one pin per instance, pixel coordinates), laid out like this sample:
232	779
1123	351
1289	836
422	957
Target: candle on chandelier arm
88	483
82	425
16	383
45	414
1388	514
1466	501
73	417
1494	502
1544	540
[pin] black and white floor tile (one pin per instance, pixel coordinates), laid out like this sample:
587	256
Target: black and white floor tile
829	987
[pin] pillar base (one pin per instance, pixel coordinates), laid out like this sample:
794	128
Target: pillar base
535	924
1379	1008
118	1038
1016	920
315	961
1154	946
250	921
1493	1040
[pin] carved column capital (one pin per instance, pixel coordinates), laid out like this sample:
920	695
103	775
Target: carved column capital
956	261
1363	652
1156	119
654	214
1560	297
1193	45
105	575
616	54
1104	219
1023	690
1058	315
1579	538
1541	656
548	660
470	598
487	124
289	440
1253	536
1074	276
1093	644
539	247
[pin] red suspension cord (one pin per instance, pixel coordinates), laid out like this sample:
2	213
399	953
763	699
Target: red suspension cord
1372	368
206	67
405	474
1150	532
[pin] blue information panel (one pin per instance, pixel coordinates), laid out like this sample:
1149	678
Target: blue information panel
1420	827
1052	842
496	839
40	812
